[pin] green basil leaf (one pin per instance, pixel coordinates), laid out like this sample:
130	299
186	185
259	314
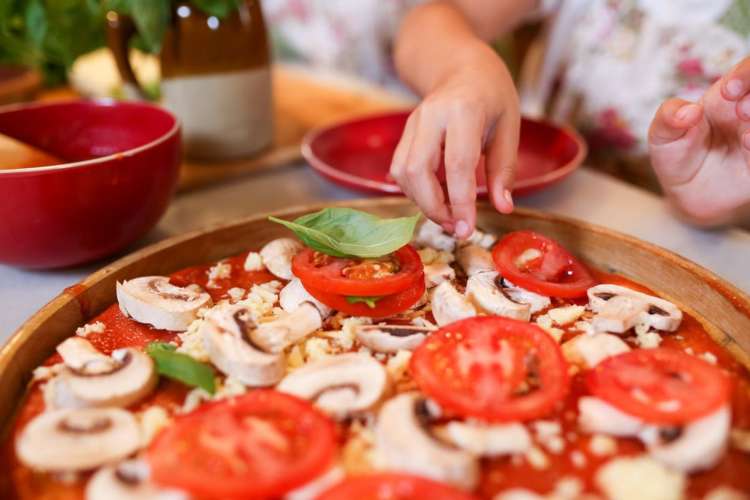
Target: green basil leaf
218	8
181	367
371	302
345	232
151	18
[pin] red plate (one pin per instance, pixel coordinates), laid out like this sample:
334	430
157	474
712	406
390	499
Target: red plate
357	153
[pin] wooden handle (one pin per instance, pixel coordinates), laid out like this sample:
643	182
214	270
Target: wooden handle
120	29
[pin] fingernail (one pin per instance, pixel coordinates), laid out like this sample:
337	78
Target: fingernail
508	197
687	112
734	88
462	229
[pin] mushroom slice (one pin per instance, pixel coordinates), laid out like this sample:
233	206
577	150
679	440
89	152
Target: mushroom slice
128	480
488	440
294	294
277	255
438	272
515	293
341	385
432	235
598	416
695	447
275	336
588	351
448	305
483	290
155	301
405	442
129	377
225	333
391	338
78	440
618	309
474	259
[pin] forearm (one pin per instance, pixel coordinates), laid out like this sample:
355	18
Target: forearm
438	38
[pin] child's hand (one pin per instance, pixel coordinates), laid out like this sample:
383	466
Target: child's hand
472	110
701	152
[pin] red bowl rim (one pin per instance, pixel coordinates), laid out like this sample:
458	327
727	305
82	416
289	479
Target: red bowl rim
385	187
102	102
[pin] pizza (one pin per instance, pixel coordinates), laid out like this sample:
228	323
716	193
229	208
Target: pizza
369	359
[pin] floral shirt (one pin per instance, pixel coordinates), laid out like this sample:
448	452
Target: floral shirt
625	58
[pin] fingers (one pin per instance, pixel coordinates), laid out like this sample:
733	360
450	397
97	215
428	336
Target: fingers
463	147
674	118
502	157
736	88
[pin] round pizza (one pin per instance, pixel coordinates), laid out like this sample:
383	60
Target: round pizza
365	359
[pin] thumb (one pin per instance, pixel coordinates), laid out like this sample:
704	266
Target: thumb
672	121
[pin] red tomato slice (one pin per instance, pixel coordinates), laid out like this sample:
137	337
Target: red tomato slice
555	273
258	445
394	486
384	306
492	368
344	276
661	386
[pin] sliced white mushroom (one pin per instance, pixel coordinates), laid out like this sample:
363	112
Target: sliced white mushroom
448	305
483	290
474	259
588	351
341	385
391	338
515	293
225	333
155	301
294	294
488	440
91	379
77	440
618	309
596	416
277	256
438	272
275	336
314	488
432	235
697	446
405	442
128	480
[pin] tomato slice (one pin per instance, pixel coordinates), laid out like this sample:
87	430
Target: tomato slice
661	386
393	486
493	368
261	444
384	306
359	277
555	272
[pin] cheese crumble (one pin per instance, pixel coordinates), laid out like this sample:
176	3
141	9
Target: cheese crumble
220	270
639	477
90	328
253	262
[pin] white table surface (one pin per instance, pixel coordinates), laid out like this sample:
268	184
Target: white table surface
586	195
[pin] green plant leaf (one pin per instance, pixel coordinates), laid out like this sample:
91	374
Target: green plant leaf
372	302
36	22
181	367
344	232
218	8
151	18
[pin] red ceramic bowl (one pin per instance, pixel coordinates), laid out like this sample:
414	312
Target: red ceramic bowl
357	153
123	164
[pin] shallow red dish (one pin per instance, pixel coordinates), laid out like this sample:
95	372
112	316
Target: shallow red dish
123	164
357	153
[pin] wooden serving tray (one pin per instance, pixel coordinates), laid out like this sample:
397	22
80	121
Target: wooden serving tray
723	309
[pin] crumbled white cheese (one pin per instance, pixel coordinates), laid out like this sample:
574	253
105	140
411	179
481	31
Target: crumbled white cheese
537	458
151	421
295	359
85	330
518	494
565	315
527	256
193	400
689	350
482	239
221	270
602	445
546	428
709	357
47	372
253	262
421	321
348	331
585	326
226	388
544	321
192	342
640	477
236	293
647	339
230	387
430	255
261	299
568	488
578	459
317	348
398	364
725	493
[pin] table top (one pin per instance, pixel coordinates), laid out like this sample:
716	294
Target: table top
586	195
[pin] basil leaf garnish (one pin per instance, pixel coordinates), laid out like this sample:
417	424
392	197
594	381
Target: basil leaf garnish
181	367
345	232
371	302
